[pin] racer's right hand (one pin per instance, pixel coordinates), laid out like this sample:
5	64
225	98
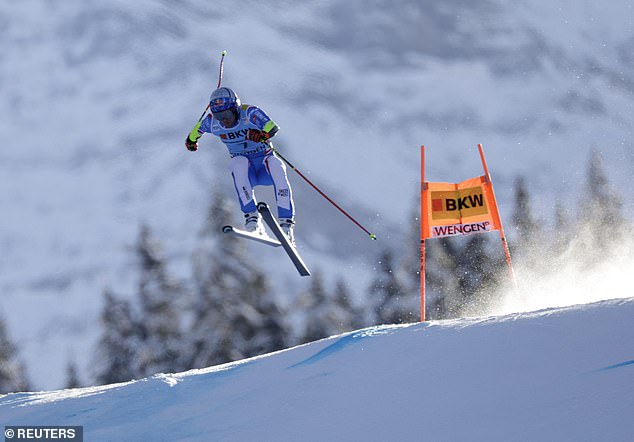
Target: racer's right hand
192	146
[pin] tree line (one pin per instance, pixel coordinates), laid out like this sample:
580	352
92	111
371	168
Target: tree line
228	311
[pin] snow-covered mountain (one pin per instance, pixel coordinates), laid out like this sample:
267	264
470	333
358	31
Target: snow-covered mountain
98	97
558	374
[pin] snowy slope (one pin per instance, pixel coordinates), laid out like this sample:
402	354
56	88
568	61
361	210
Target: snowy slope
97	97
558	374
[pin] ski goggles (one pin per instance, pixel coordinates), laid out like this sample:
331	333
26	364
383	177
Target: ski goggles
226	114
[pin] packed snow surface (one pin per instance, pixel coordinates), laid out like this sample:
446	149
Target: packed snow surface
555	374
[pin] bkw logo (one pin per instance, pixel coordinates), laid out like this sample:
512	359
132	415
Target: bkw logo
460	203
466	202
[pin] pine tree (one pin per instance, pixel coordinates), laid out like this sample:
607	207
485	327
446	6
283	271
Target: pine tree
523	221
318	324
211	334
72	377
224	274
529	248
160	321
601	216
410	264
393	304
464	271
12	372
352	317
116	351
443	298
561	231
479	272
270	332
235	313
327	313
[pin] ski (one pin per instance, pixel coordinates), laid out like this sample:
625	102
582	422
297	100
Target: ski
270	220
252	236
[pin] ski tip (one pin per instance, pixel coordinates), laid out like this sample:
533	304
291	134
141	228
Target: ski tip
262	206
227	229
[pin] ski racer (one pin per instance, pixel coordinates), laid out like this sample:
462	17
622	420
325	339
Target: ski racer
246	131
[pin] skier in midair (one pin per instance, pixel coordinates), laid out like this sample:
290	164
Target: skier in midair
246	131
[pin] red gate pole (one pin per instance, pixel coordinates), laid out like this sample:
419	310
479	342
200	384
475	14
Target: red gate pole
423	231
497	218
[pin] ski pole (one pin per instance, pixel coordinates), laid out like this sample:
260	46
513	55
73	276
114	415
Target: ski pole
372	235
222	60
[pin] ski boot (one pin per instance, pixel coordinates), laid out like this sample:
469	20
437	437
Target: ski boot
253	224
288	225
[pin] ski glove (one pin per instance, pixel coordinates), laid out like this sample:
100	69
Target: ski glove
191	145
257	136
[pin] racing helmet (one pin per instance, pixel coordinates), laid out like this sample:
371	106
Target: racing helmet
224	104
